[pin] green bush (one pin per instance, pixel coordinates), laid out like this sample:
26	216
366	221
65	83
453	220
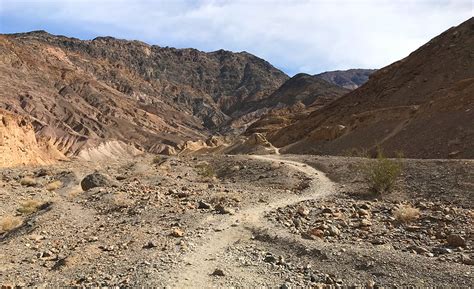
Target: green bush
382	173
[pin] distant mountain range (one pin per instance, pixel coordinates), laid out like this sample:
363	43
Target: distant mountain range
81	92
78	94
74	95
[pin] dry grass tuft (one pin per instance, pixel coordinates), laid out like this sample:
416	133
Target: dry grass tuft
9	223
120	200
29	206
205	170
406	213
28	181
54	185
75	192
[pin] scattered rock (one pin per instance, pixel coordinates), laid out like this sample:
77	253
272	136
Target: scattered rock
442	250
269	258
327	211
150	245
42	172
363	213
204	205
224	210
315	232
456	241
419	249
218	272
182	194
333	230
177	233
467	260
60	263
365	223
303	211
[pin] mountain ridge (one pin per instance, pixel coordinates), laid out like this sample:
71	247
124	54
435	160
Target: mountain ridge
432	89
349	79
85	91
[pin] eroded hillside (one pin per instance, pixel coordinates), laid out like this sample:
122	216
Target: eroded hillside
18	143
421	106
81	93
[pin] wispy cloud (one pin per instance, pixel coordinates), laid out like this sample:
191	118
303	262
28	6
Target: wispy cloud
296	36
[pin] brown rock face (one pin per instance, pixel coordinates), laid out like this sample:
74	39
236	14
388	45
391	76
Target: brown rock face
349	79
79	94
293	101
421	106
18	144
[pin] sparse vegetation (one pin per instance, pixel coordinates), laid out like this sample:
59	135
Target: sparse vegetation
9	223
28	182
54	185
29	206
382	173
406	213
205	170
356	152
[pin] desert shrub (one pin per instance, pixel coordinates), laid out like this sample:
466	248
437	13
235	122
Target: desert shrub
29	206
205	170
54	185
9	223
406	213
28	181
382	173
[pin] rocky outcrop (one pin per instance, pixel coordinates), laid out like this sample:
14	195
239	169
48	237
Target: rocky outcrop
255	144
18	143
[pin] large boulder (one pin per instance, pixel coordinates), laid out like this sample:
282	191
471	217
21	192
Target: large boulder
95	180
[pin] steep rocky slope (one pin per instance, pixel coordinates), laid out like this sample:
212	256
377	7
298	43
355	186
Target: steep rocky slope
306	89
421	106
81	93
350	79
18	143
296	98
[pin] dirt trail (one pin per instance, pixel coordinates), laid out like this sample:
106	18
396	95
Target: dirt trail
200	263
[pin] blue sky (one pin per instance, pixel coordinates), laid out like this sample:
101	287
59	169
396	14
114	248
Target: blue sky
294	35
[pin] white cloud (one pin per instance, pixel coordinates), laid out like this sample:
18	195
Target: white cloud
298	36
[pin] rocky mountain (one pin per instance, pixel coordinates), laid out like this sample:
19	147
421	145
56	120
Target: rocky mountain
303	88
421	106
349	79
294	100
80	93
302	93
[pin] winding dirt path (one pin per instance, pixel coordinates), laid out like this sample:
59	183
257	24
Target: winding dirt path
198	264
